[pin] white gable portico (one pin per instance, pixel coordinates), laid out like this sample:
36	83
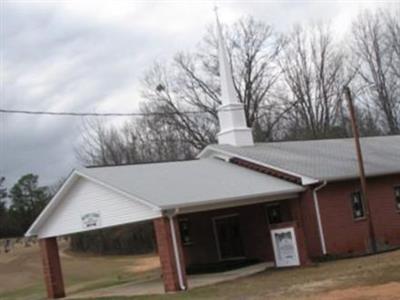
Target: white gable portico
85	204
101	197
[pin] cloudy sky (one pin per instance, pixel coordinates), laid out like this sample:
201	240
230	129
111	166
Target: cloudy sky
89	56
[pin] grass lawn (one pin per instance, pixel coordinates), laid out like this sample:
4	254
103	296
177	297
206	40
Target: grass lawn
21	274
364	278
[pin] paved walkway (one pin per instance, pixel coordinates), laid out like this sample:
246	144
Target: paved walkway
155	286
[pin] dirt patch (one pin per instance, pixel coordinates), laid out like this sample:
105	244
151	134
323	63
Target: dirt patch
388	291
144	264
313	286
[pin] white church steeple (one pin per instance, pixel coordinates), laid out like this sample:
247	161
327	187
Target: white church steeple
232	120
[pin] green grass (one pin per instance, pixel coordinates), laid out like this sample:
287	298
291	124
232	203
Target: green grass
34	292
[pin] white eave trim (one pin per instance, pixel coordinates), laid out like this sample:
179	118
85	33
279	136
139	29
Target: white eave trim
305	180
233	201
73	177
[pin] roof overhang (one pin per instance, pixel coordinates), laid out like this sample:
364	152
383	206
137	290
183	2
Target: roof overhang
210	151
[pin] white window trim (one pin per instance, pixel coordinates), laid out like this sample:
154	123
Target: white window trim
363	217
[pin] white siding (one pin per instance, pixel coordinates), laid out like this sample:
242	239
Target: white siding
87	197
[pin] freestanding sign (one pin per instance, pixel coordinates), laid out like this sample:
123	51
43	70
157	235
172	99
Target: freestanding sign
285	247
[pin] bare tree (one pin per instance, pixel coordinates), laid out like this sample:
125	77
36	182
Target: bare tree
167	96
146	139
157	142
191	81
313	79
393	40
376	50
291	87
102	144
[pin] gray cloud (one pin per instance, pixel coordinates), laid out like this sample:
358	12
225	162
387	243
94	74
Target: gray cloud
89	56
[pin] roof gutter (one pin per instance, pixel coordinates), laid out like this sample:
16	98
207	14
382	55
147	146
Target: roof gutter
317	212
171	216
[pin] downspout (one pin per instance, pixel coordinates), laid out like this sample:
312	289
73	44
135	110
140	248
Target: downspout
176	250
317	211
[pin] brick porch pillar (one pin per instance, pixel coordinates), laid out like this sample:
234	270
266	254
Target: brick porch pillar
167	255
52	268
299	230
301	245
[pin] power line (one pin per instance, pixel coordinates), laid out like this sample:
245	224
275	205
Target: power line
84	114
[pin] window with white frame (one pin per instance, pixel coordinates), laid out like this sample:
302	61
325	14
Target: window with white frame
397	196
357	205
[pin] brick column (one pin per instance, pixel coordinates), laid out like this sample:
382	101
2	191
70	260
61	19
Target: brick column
299	230
52	268
301	246
167	256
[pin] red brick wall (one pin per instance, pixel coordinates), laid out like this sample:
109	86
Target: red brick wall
302	246
310	224
384	213
254	231
343	234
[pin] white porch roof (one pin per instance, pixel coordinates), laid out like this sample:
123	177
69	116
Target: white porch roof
133	193
186	183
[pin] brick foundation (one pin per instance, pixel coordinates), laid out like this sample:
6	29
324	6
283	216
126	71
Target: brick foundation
167	256
52	268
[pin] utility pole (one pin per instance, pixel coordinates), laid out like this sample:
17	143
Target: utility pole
361	170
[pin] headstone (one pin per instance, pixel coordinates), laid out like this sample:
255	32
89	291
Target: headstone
7	246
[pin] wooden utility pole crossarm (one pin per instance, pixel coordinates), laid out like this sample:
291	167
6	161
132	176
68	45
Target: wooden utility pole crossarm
361	170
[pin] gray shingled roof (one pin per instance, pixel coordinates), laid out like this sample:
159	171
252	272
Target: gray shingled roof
332	159
187	183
